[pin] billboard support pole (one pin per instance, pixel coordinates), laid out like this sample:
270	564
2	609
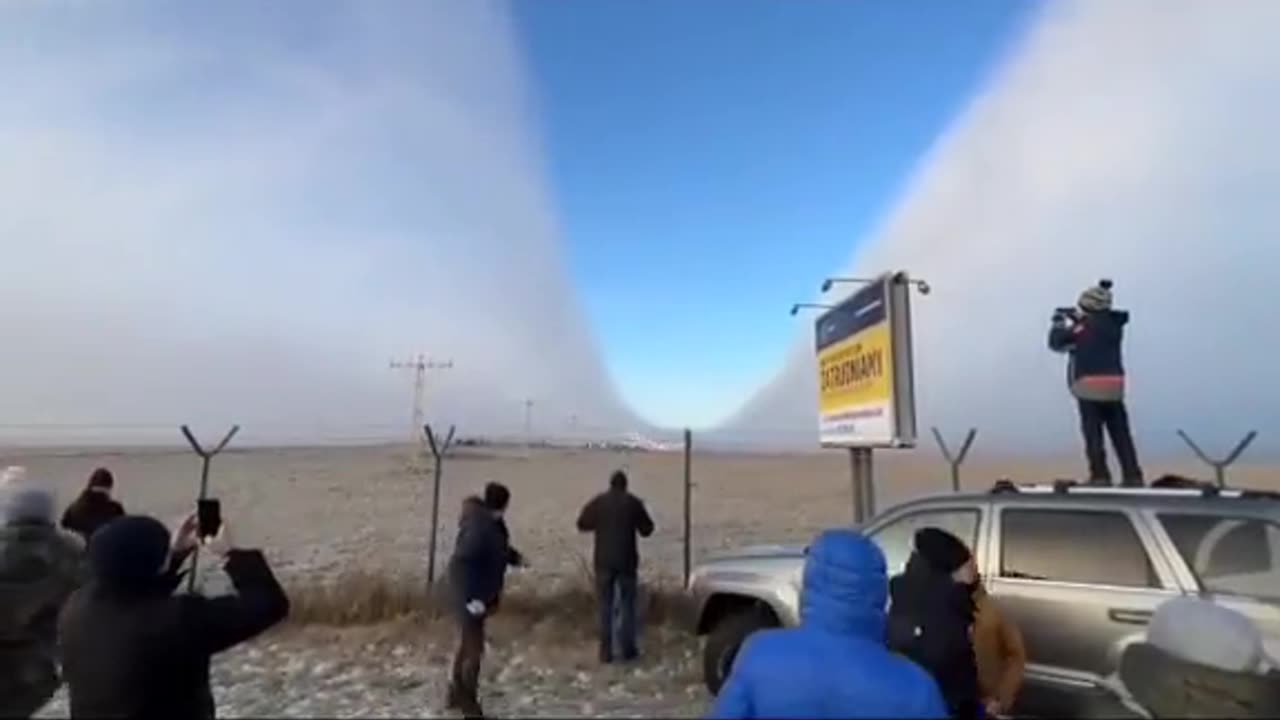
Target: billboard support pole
862	480
956	460
1220	465
438	451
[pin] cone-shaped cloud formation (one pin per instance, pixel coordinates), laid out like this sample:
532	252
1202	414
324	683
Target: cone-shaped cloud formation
1130	140
241	213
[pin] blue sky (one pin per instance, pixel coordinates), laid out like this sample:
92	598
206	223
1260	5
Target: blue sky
712	161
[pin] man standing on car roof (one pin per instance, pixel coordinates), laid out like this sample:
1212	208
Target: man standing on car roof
1092	335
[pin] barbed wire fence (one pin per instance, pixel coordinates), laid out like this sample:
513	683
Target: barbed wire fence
695	482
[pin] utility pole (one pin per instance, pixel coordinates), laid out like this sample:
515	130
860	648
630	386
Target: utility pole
419	365
528	424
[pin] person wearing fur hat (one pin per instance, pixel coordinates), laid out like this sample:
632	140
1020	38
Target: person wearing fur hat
40	566
1092	336
131	647
931	616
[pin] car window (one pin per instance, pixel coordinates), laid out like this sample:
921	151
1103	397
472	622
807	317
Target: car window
1233	555
1091	547
895	539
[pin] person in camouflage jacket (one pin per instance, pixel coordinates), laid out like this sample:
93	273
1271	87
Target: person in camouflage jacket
40	566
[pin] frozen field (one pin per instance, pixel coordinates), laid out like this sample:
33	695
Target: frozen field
325	510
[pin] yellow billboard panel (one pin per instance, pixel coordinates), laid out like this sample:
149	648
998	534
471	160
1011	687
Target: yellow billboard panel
865	393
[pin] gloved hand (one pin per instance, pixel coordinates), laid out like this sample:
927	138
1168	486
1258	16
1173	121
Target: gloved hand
475	608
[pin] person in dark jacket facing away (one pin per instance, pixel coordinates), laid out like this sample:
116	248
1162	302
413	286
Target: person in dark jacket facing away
835	663
496	498
133	649
94	506
931	616
40	566
1092	336
616	517
477	572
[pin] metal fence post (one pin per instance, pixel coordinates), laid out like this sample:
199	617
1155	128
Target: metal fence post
956	460
1220	465
688	505
206	456
438	451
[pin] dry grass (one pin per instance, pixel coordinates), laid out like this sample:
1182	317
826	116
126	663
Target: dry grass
359	598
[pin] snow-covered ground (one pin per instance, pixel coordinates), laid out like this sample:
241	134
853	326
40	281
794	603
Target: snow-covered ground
401	670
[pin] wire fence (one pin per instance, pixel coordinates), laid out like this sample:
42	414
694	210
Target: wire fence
374	502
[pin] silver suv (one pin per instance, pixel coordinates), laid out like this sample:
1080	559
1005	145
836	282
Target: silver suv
1079	568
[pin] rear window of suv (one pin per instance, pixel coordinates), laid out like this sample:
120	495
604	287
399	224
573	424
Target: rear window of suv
1074	546
1233	555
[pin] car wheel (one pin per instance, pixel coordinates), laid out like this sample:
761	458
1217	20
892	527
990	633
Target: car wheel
724	641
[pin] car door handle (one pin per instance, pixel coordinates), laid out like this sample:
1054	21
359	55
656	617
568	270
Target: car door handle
1129	617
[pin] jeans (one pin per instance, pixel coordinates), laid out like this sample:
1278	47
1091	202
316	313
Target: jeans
1095	416
616	592
464	687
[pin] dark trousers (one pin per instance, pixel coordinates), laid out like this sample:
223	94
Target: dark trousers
464	686
1095	416
616	593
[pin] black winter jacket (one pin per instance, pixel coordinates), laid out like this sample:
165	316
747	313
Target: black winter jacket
146	655
481	553
90	511
616	517
930	622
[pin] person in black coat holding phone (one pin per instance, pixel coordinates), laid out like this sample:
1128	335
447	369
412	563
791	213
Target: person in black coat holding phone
133	649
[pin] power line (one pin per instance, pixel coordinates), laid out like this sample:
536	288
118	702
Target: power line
419	365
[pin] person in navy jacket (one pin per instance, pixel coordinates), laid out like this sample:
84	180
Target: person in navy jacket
836	663
1092	336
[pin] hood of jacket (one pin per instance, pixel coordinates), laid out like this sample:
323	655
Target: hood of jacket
921	585
30	551
39	564
845	586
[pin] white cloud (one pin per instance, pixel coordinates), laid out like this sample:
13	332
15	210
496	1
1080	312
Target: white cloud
240	214
1132	140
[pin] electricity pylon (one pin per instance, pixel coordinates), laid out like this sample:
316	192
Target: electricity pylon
419	365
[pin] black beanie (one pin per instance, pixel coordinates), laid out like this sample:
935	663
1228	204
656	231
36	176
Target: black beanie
496	496
102	478
129	552
942	550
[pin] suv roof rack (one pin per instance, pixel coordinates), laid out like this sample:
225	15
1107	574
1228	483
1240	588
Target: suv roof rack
1072	487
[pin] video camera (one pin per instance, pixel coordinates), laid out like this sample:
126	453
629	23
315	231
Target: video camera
1073	312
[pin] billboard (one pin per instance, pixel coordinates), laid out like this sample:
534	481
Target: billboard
865	386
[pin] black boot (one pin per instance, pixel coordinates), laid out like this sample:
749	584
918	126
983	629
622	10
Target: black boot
470	708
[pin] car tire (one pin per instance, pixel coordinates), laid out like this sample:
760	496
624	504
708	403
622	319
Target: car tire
724	641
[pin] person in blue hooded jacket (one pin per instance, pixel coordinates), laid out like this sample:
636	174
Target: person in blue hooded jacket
836	663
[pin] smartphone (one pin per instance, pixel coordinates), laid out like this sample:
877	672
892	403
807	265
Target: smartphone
208	517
